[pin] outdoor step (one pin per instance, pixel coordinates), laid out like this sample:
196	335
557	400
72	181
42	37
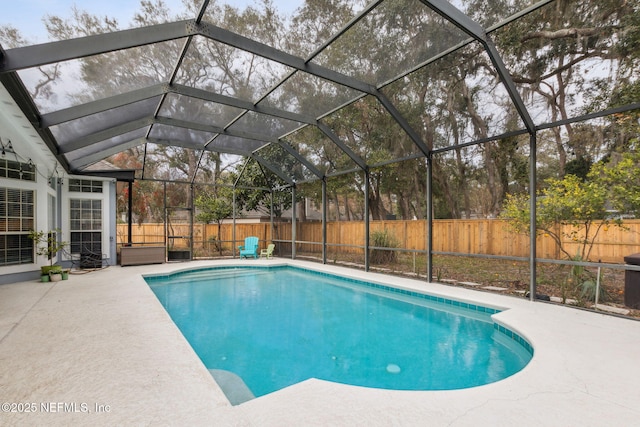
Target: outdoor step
494	288
612	309
559	299
469	284
350	264
232	386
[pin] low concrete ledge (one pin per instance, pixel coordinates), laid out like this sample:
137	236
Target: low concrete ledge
139	255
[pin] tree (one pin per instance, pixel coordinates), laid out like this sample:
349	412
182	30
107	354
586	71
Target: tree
566	58
621	177
10	37
215	206
567	201
254	178
552	54
147	196
584	205
47	243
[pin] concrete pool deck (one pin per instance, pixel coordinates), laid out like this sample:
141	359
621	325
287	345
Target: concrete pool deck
99	349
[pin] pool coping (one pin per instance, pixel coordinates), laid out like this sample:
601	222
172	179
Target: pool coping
91	340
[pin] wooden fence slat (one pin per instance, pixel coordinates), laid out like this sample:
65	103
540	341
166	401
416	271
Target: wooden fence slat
478	236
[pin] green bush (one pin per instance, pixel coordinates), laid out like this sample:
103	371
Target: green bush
383	239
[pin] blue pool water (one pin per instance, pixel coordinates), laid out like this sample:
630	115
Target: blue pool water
274	327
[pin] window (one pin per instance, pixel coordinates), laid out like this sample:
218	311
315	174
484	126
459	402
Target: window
85	186
51	211
16	220
86	226
17	170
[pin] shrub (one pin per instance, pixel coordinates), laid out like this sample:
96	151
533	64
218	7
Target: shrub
383	239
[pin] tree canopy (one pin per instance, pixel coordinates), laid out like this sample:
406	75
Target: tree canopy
607	194
566	59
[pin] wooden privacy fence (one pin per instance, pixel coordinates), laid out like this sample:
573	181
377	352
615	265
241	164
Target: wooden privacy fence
482	236
154	233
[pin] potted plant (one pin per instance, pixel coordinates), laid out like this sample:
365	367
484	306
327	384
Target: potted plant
47	244
55	273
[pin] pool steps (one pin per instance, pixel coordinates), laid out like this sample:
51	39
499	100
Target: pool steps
232	386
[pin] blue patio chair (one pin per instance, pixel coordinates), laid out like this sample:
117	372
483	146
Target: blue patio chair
250	247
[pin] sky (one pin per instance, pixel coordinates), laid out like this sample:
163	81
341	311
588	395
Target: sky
26	15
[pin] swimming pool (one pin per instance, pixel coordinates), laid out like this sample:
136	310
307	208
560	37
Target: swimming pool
277	326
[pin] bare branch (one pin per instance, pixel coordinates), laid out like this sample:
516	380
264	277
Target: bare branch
563	33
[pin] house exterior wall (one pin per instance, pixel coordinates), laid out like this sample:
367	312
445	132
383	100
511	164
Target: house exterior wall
21	143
